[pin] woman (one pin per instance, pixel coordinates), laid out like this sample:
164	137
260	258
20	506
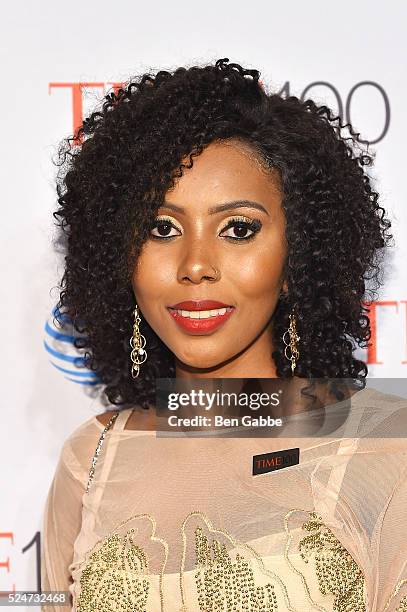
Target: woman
215	231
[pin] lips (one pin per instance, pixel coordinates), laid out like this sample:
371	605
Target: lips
195	325
199	305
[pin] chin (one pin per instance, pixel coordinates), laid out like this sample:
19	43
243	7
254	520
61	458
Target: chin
201	363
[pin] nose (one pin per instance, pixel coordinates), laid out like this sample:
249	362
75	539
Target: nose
197	266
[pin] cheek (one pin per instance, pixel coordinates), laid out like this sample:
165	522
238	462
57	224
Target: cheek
152	278
153	284
258	275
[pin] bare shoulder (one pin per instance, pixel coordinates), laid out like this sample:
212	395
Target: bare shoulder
139	419
105	417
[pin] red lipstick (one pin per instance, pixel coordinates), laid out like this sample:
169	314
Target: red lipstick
199	305
200	325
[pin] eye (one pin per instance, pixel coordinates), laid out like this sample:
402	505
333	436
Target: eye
161	229
163	226
240	226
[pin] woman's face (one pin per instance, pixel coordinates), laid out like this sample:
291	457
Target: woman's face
219	236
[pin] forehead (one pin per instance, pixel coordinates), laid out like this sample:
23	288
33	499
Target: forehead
226	171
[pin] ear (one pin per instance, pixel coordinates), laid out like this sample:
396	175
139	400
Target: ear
284	287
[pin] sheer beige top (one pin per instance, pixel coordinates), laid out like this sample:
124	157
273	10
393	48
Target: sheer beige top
134	521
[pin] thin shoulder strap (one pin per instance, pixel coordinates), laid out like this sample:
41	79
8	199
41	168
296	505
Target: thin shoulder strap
122	419
116	422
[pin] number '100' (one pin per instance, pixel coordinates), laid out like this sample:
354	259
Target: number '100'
345	114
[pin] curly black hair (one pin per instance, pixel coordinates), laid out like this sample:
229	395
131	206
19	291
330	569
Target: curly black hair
115	170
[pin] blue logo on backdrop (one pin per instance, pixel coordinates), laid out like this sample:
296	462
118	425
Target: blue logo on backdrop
64	356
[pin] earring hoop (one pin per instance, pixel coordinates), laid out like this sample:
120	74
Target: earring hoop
138	354
291	344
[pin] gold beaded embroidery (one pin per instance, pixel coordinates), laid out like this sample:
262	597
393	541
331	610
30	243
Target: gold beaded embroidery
221	582
241	567
336	570
115	577
402	607
116	573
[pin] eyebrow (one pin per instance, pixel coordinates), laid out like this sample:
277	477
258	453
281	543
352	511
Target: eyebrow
221	207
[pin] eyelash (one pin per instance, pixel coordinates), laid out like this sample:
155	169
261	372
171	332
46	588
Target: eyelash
254	225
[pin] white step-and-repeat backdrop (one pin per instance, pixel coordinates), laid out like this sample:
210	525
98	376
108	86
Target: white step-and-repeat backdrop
58	59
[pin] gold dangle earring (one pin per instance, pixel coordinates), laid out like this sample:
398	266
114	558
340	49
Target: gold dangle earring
137	342
292	342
